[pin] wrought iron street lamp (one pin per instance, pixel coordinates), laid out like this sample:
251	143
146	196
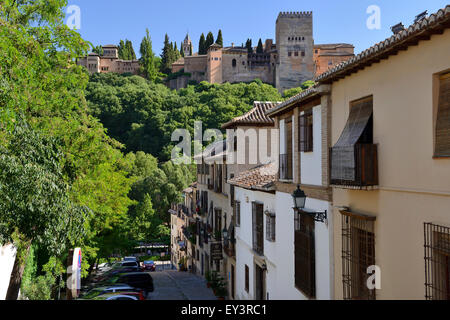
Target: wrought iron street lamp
299	198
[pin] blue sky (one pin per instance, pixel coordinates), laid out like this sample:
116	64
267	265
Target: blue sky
108	21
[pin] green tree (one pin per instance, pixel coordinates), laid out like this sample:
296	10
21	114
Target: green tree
34	202
166	56
148	61
202	45
219	40
181	50
98	50
248	45
209	40
259	48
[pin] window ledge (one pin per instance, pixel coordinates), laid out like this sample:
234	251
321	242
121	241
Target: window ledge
436	157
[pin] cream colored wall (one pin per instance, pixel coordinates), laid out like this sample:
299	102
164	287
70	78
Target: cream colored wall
414	188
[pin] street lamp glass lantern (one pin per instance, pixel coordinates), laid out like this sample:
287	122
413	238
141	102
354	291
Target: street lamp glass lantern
225	233
299	198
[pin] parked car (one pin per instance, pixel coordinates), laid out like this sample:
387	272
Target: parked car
120	269
138	280
117	296
130	259
149	266
97	291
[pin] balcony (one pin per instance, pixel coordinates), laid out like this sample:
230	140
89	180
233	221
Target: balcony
354	167
230	248
285	166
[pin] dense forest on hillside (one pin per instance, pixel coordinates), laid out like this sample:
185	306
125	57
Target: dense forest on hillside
142	115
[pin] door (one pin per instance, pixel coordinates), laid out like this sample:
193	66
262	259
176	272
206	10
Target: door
233	288
259	283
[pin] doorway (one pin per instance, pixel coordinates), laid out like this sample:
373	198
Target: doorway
259	283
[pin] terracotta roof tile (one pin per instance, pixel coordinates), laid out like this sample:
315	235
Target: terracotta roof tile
417	31
256	116
302	95
259	178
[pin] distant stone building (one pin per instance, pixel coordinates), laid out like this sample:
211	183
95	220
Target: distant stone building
109	62
286	64
187	46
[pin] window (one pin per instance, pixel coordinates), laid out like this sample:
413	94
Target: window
237	213
317	51
232	192
217	221
296	53
442	138
233	63
247	279
306	131
270	226
437	262
286	155
305	266
356	144
258	227
358	253
303	53
289	53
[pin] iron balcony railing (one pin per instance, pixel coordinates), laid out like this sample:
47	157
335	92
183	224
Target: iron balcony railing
286	166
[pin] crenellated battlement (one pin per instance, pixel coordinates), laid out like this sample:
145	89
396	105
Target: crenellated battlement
296	14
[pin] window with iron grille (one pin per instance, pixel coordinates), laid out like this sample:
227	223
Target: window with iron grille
358	254
247	278
442	135
306	131
437	262
237	213
305	258
258	227
270	226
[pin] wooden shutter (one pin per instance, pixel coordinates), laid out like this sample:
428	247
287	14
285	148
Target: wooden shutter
442	147
309	131
247	278
289	147
254	231
302	133
305	278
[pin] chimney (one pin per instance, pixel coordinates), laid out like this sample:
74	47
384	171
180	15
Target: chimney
397	28
421	16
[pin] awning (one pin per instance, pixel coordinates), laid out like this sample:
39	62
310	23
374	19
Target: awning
343	153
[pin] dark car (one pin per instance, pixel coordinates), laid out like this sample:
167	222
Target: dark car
149	266
115	271
138	280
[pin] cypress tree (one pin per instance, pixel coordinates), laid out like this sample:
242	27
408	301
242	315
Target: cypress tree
219	40
190	49
209	41
201	45
181	49
260	49
248	45
148	65
166	55
130	50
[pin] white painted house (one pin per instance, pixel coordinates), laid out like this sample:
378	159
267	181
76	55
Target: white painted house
7	258
304	246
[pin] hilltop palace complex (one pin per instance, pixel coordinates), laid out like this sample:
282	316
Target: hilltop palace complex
287	63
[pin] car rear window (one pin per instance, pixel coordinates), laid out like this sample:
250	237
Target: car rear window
129	264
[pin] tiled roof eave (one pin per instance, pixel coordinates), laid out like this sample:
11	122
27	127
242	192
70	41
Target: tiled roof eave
422	30
285	106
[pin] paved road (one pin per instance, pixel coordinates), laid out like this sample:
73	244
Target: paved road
175	285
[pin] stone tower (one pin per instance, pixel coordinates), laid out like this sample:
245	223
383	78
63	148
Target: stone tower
295	49
187	45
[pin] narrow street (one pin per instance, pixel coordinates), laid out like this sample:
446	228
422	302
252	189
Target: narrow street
174	285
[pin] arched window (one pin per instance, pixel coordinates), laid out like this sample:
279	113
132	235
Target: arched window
234	63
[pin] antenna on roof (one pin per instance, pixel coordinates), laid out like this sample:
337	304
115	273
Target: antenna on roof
397	28
421	16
